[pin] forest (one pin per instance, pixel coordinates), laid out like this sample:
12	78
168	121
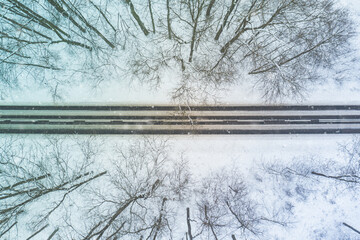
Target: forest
155	187
280	47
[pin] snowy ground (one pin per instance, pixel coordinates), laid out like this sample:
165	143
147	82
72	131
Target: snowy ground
318	209
123	91
319	216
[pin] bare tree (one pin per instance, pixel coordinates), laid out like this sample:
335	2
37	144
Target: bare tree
142	188
281	46
34	36
136	198
310	177
225	208
287	41
45	173
137	18
347	174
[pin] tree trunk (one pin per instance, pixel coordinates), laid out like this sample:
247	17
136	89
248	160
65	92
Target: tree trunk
137	18
227	15
188	223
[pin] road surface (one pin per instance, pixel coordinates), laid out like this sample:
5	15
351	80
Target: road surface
228	119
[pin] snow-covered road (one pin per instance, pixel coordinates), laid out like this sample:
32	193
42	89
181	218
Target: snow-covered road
167	119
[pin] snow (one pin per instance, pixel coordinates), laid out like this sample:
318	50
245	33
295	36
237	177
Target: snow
118	88
319	216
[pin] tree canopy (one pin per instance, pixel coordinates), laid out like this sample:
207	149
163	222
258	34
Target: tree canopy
282	46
